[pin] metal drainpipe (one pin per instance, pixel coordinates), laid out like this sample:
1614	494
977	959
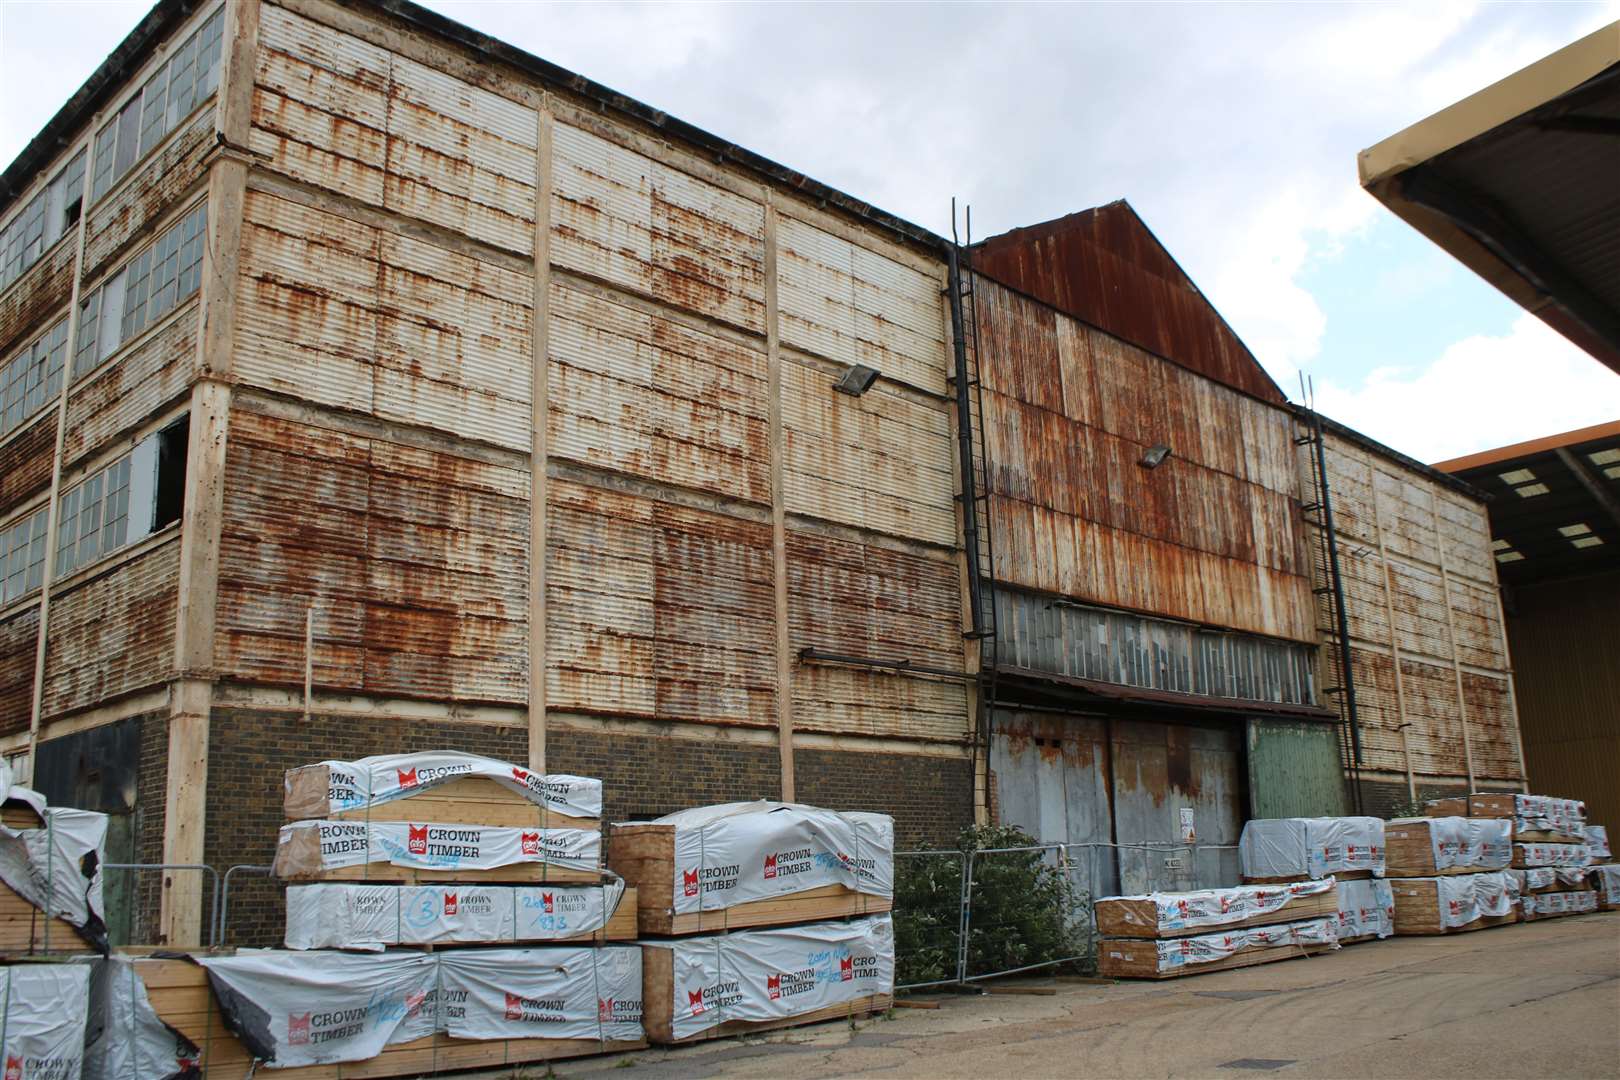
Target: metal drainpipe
1345	673
964	446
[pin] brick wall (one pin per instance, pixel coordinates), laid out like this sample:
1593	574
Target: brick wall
930	798
649	776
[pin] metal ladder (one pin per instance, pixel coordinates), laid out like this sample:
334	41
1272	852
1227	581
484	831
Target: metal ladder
974	465
1329	590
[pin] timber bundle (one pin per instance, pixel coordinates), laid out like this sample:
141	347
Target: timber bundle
448	911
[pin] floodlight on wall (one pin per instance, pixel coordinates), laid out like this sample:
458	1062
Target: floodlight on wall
856	381
1154	457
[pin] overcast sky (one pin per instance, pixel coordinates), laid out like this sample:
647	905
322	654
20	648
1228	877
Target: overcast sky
1233	130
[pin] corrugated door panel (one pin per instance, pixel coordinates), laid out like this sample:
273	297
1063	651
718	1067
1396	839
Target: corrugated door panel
19	639
628	220
846	303
113	634
1433	709
1491	734
878	461
638	393
26	462
460	157
128	391
658	611
1294	770
320	105
859	702
148	194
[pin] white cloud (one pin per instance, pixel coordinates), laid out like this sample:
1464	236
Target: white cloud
1482	392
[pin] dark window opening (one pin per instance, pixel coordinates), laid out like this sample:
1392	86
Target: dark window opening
171	472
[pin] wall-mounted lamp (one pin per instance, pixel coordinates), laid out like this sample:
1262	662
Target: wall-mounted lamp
1154	457
856	381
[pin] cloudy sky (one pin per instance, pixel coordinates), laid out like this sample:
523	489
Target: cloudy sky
1233	130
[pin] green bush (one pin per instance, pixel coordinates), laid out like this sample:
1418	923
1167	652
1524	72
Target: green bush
1023	909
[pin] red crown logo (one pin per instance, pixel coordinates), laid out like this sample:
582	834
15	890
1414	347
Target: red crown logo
514	1006
407	777
413	1001
770	866
531	843
604	1008
694	998
846	968
14	1070
520	775
416	840
449	903
297	1031
545	900
773	984
689	882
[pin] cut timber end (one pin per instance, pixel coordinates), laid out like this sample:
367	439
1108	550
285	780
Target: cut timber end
1134	958
1132	917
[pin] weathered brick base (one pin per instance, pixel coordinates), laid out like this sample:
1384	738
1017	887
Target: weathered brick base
648	776
930	798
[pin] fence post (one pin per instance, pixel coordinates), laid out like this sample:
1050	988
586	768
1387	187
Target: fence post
966	924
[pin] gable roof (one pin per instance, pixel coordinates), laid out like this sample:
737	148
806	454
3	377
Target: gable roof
1105	267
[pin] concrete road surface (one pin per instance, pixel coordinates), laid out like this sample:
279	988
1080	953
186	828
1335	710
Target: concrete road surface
1535	999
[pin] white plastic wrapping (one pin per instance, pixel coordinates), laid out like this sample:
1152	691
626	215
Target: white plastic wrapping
1541	905
738	852
1466	897
1311	847
42	1020
124	1039
1485	843
1545	813
1208	948
56	868
384	778
1366	908
1222	907
342	915
1608	882
431	846
1539	878
313	1008
1565	855
759	975
1597	842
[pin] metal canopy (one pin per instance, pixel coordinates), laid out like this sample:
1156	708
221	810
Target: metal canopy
1521	182
1556	506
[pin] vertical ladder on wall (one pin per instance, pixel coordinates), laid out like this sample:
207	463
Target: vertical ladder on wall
974	466
1328	587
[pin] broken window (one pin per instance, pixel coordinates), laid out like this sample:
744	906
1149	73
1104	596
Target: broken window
32	378
149	286
22	555
44	220
124	501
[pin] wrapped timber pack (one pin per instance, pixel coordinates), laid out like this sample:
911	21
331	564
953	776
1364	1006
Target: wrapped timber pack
1569	856
313	849
124	1039
1450	903
1549	905
1607	880
1176	914
335	915
57	867
331	788
42	1020
1135	958
1542	817
760	857
1293	849
1540	879
1366	910
703	987
1418	847
1597	843
315	1008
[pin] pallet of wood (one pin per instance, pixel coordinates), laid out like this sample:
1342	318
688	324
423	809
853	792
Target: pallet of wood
1551	879
1552	905
1425	847
1366	911
1275	851
1534	817
25	930
1606	881
433	852
697	988
370	916
180	995
745	865
1452	904
1532	855
1147	958
1178	914
440	785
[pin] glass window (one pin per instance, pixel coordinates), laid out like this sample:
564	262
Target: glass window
95	517
129	138
31	379
22	556
106	138
191	252
153	283
154	110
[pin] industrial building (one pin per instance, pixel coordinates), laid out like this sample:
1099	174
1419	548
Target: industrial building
799	503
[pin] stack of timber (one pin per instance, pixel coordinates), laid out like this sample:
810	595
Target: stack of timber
1366	910
1543	818
50	875
1453	903
1597	843
1542	854
1553	904
1606	880
759	915
1278	850
1164	935
43	1010
1421	847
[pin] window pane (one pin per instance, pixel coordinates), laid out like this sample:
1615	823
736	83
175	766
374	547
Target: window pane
129	131
182	80
191	252
112	316
208	56
68	531
73	185
137	278
36	552
154	109
89	323
106	140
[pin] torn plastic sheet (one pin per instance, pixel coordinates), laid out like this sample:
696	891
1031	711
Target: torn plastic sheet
758	975
1537	905
384	778
360	916
307	847
1208	948
738	852
1366	908
1546	813
43	1020
124	1039
1222	907
1564	855
1597	842
1311	847
1462	898
1485	843
313	1008
56	868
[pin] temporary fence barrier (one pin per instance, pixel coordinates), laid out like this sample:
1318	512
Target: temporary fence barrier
221	927
202	868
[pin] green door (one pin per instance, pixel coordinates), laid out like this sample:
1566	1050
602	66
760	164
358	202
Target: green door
1294	770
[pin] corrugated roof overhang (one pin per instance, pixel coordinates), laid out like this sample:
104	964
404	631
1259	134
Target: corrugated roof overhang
1101	694
1521	183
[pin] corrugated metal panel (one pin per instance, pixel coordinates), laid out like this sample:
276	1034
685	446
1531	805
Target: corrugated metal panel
1406	512
1492	745
19	640
1049	777
847	303
861	599
879	461
657	611
628	220
636	392
1104	266
1294	770
1042	634
1161	769
133	387
1436	718
147	193
415	563
342	314
1377	707
114	633
33	297
1420	611
1465	530
25	461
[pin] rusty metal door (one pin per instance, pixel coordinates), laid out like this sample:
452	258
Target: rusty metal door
1051	780
1171	780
